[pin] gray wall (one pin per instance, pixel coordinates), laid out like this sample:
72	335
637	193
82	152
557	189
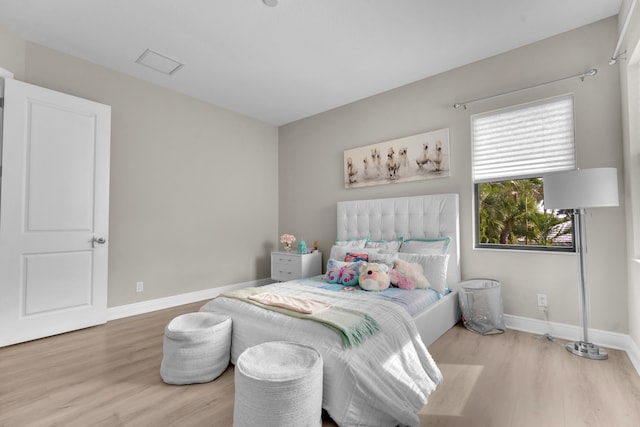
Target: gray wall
194	193
12	52
187	215
311	174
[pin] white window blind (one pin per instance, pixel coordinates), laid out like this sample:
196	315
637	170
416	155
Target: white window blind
524	141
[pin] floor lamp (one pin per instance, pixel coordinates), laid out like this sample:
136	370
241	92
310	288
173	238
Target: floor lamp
578	190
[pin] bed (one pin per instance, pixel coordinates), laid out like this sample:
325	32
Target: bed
419	217
385	378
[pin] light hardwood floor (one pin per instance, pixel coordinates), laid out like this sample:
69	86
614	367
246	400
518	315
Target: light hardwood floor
518	380
109	376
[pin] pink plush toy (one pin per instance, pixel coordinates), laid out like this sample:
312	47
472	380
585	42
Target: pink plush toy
373	276
407	275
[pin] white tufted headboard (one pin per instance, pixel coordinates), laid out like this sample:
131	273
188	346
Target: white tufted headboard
408	217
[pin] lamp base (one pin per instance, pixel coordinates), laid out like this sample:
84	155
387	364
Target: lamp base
587	350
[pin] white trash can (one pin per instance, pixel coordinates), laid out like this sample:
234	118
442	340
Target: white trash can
481	306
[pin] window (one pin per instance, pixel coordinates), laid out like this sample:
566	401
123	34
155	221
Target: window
512	149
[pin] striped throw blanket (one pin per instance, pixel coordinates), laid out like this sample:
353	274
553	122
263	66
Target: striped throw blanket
353	327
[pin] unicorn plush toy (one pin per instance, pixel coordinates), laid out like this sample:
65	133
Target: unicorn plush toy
373	276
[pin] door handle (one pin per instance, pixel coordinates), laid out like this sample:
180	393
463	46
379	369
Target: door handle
98	240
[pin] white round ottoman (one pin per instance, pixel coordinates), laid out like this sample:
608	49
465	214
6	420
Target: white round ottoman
196	349
278	384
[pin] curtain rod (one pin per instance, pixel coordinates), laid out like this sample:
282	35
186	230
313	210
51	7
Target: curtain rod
581	76
616	53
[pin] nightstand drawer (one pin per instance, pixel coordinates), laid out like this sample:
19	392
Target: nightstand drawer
285	258
288	266
285	267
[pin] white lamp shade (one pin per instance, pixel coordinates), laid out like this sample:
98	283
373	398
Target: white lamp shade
581	188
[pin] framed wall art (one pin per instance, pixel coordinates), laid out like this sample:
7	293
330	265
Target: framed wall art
411	158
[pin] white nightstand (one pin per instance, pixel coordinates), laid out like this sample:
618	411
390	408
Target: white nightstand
290	265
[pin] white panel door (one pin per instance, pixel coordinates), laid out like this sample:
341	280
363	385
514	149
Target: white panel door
54	208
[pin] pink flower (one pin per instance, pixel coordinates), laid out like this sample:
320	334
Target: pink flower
287	238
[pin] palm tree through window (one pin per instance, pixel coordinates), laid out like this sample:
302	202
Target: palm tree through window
512	213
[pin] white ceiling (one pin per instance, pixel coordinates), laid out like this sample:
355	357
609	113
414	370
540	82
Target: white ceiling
280	64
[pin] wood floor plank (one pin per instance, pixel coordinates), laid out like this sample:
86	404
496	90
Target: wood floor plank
533	407
517	379
109	376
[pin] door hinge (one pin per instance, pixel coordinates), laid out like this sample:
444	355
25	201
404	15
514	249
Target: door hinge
1	102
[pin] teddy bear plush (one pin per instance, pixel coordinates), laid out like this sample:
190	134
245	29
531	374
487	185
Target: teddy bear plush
373	276
407	275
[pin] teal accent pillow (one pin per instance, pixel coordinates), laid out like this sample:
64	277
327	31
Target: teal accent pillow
435	246
344	273
385	245
357	243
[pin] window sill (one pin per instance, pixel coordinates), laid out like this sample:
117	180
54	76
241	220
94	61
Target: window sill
526	251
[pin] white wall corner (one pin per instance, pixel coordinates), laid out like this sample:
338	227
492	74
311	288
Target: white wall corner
5	73
134	309
607	339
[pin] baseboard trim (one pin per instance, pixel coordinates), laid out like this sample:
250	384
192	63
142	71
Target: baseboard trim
559	330
142	307
571	332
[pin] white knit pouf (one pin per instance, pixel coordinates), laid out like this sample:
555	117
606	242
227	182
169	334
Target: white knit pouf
196	349
278	384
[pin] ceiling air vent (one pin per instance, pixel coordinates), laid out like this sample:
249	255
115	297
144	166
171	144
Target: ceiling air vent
159	62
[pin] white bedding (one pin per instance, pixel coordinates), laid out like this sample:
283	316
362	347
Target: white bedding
383	382
414	302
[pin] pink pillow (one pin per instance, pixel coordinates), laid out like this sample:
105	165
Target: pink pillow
408	275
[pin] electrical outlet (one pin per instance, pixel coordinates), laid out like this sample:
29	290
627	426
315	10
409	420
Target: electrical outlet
542	301
139	286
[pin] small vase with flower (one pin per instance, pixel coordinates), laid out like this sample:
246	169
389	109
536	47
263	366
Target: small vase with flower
287	240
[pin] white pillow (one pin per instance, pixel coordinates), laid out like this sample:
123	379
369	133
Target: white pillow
385	245
354	243
436	246
434	267
386	258
338	252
